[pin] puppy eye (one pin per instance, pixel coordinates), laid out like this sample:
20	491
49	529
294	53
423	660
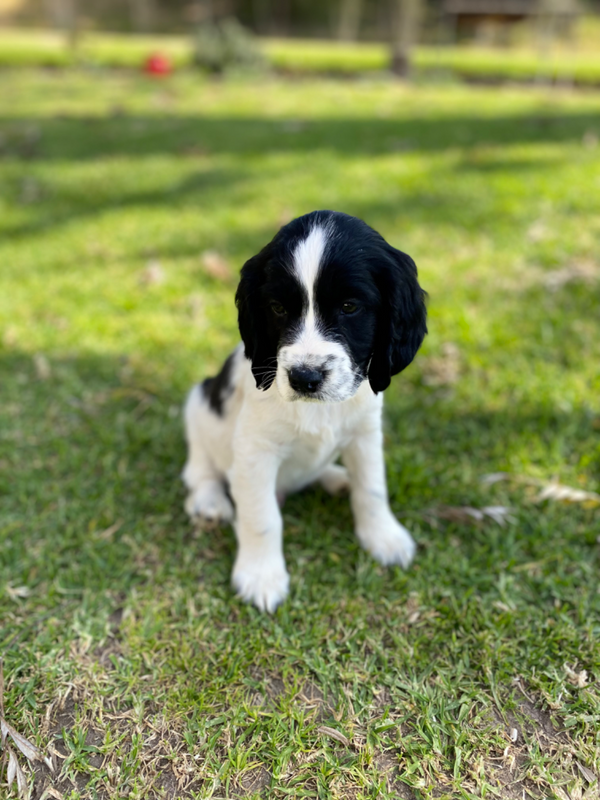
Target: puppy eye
349	308
278	309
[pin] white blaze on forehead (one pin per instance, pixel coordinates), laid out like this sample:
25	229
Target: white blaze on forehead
310	346
307	258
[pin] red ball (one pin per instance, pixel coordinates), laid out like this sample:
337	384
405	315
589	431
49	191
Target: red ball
158	64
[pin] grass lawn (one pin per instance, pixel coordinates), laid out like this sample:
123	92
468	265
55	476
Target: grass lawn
577	62
126	209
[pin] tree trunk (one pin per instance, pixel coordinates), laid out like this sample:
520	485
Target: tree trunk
281	18
143	15
261	14
405	31
349	20
64	15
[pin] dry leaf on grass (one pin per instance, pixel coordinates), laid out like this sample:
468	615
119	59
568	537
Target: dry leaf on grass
13	766
196	306
216	266
15	771
462	514
548	491
108	533
496	477
334	734
10	336
49	791
15	592
567	494
579	679
41	366
443	370
538	231
581	272
590	776
29	750
153	274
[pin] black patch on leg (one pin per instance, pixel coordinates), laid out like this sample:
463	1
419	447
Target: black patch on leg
218	389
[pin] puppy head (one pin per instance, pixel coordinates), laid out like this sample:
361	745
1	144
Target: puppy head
326	305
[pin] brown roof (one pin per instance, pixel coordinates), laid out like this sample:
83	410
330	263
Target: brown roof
504	7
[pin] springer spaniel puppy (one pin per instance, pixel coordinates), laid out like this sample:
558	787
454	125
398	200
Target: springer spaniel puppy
328	312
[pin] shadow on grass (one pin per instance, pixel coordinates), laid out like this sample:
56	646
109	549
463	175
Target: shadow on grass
61	205
74	138
195	139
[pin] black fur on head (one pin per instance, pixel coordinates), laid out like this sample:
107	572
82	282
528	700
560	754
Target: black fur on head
402	323
260	341
384	331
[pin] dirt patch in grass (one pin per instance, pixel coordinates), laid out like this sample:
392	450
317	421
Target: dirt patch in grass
273	689
254	781
517	770
387	764
104	750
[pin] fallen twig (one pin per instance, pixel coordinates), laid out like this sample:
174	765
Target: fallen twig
27	748
550	490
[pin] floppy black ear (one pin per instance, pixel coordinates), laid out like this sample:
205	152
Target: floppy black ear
402	324
259	344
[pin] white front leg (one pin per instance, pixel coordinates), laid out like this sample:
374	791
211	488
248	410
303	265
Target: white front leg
378	530
259	573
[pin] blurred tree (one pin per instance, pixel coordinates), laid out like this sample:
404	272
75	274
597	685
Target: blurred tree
261	15
202	11
143	15
281	16
64	15
406	20
345	19
554	16
349	20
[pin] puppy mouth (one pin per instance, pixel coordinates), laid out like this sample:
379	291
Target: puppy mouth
307	397
324	394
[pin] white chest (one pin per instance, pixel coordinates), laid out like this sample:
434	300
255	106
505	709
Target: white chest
306	458
314	437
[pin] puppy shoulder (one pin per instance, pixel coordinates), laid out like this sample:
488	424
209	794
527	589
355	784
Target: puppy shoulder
218	393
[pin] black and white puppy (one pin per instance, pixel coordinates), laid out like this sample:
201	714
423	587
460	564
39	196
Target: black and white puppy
328	312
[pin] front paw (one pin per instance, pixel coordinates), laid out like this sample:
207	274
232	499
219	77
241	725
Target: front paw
388	541
264	583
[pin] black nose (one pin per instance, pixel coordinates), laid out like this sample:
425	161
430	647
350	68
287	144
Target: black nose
305	380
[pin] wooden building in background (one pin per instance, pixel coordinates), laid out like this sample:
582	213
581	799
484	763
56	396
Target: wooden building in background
470	17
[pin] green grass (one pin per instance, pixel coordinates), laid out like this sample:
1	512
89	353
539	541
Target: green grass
577	63
471	62
124	648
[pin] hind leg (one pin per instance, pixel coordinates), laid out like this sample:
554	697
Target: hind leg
334	479
208	504
207	501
